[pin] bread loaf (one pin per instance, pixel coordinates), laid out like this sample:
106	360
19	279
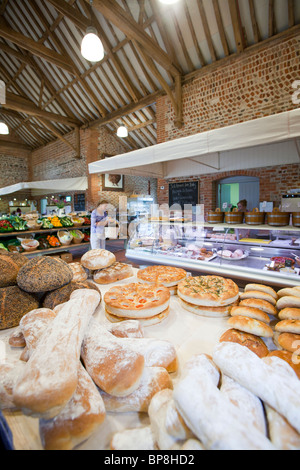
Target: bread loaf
14	304
50	376
134	439
288	301
268	382
250	312
282	434
289	314
16	339
97	259
79	418
289	291
258	294
262	288
79	273
292	360
33	325
254	343
116	272
288	326
10	264
152	381
263	305
113	366
9	372
127	329
212	417
61	295
43	273
250	325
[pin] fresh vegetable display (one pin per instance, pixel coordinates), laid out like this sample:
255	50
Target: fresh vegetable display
3	247
46	223
53	241
55	221
6	226
66	222
19	224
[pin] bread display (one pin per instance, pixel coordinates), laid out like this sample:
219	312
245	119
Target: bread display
89	369
42	389
43	273
208	291
116	272
62	294
162	275
10	264
79	272
137	301
14	304
97	259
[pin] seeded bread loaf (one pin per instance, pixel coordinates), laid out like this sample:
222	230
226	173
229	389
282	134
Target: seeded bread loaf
43	273
61	295
10	264
14	304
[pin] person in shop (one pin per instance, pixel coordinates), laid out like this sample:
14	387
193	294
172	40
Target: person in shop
99	220
242	206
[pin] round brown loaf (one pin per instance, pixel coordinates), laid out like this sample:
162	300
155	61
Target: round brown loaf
61	295
250	325
14	304
10	264
43	273
289	341
252	342
288	357
288	326
289	314
97	259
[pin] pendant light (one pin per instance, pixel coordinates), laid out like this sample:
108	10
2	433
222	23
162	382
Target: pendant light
168	2
91	47
122	132
4	130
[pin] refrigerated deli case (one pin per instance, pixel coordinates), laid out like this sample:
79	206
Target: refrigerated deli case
249	253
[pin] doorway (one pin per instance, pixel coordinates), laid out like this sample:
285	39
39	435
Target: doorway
232	190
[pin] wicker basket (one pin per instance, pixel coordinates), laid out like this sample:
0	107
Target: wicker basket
33	225
30	245
65	241
77	221
79	238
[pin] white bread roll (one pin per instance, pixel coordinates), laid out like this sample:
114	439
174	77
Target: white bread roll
288	326
275	384
134	439
293	291
250	312
263	305
289	314
50	377
250	325
262	288
212	417
288	301
257	294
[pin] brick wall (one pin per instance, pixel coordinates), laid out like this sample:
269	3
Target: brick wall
13	169
241	89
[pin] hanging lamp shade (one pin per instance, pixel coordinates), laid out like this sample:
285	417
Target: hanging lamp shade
91	47
122	132
4	130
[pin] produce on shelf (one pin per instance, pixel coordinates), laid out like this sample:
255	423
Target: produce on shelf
53	241
66	222
46	223
6	226
19	224
3	247
56	221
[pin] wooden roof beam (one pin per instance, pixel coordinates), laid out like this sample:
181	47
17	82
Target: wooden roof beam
34	47
113	12
237	25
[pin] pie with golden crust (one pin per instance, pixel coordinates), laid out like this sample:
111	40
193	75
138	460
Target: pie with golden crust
209	291
161	275
137	300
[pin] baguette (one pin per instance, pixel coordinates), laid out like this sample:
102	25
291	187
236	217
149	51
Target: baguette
212	417
277	387
50	377
282	434
114	367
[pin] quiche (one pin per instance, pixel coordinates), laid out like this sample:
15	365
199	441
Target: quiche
136	300
208	291
167	276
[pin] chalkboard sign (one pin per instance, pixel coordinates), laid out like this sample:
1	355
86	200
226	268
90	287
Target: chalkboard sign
79	202
184	193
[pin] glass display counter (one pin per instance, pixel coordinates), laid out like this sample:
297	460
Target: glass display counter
262	254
